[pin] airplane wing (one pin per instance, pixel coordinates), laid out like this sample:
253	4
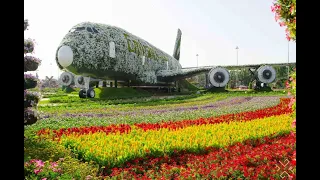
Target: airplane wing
170	75
232	67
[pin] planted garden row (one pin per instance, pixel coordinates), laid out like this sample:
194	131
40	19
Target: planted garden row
281	108
115	149
253	159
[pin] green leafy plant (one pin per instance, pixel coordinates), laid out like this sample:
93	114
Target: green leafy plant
47	159
64	168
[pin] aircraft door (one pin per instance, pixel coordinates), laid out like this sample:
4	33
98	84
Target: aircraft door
112	49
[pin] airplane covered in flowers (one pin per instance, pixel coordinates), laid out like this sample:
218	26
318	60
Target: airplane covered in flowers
93	51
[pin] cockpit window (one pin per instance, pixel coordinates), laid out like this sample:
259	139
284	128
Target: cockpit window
77	29
80	28
94	30
89	29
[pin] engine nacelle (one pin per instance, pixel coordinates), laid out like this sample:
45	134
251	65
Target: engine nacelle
219	76
266	74
79	81
66	79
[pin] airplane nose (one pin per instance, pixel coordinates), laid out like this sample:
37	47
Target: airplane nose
65	56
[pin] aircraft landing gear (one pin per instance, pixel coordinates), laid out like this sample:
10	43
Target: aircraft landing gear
84	84
90	93
82	93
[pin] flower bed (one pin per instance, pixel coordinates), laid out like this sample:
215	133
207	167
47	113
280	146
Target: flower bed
175	142
160	110
281	108
63	168
56	121
253	159
116	149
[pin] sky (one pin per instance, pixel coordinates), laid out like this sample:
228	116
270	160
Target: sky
210	28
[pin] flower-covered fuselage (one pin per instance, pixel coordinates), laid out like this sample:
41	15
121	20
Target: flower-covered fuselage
108	52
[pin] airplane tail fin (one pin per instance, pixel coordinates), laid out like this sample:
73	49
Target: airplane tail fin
176	51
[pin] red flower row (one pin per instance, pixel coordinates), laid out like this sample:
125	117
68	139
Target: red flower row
281	108
121	128
254	159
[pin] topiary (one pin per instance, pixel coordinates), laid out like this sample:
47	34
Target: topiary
31	99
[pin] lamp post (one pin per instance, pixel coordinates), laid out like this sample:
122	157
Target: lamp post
197	59
197	66
237	48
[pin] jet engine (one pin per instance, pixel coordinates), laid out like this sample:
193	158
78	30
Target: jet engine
266	74
79	81
66	79
219	76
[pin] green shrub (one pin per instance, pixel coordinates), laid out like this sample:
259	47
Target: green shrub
125	92
51	90
187	85
45	150
40	154
64	168
68	89
54	95
79	170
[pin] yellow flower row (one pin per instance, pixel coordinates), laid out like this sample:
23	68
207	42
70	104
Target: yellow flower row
116	149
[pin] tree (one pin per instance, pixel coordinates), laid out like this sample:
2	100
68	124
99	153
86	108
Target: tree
31	99
285	13
243	76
